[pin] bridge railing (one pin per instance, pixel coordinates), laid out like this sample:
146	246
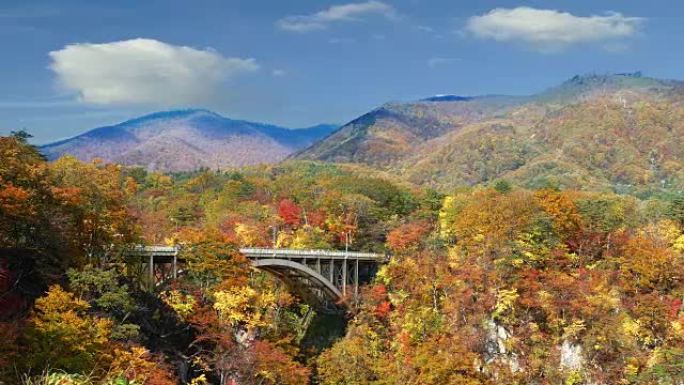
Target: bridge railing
141	250
313	253
265	252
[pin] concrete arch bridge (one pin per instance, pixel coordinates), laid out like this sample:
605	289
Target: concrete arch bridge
322	278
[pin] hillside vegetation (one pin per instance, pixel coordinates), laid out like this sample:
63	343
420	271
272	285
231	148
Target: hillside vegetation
620	133
499	285
512	286
72	312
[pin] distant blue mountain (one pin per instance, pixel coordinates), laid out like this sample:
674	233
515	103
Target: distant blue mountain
448	98
188	139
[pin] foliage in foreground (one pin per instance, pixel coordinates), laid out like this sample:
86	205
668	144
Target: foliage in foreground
521	287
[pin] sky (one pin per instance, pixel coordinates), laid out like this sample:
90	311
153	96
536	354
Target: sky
67	66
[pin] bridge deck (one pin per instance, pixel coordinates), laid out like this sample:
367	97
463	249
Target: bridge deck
261	252
157	251
257	252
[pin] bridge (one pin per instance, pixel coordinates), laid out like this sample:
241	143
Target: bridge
322	278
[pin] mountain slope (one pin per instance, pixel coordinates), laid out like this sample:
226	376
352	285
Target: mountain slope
621	132
394	131
187	139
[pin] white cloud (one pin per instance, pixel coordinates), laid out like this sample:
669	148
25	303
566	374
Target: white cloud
278	72
144	71
337	13
551	30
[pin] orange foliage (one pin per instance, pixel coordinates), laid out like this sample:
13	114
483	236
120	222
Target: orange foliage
276	368
562	209
408	236
138	365
646	265
14	200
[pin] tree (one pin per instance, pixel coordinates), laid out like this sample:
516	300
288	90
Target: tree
215	265
308	237
408	237
676	210
647	266
243	306
22	135
502	186
105	291
94	196
274	367
289	212
138	366
101	288
61	335
348	362
26	200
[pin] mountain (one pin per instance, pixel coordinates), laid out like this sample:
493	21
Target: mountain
622	132
394	131
583	86
182	140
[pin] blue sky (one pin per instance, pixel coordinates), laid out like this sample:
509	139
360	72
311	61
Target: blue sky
71	65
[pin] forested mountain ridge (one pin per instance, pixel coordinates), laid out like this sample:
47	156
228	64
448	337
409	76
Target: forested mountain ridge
184	140
634	125
389	133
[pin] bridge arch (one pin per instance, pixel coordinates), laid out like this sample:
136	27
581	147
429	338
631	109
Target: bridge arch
292	271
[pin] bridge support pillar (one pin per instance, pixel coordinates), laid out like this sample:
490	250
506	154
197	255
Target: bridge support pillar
151	271
344	277
356	279
332	271
175	266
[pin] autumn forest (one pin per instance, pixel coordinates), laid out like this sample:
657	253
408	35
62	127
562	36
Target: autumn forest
490	284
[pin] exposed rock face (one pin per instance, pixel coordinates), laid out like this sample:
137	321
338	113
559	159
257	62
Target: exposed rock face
571	357
496	346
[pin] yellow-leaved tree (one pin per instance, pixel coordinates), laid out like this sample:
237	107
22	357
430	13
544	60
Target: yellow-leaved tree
61	335
244	306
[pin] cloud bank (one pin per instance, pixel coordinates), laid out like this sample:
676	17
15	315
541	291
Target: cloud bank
338	13
144	71
551	30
